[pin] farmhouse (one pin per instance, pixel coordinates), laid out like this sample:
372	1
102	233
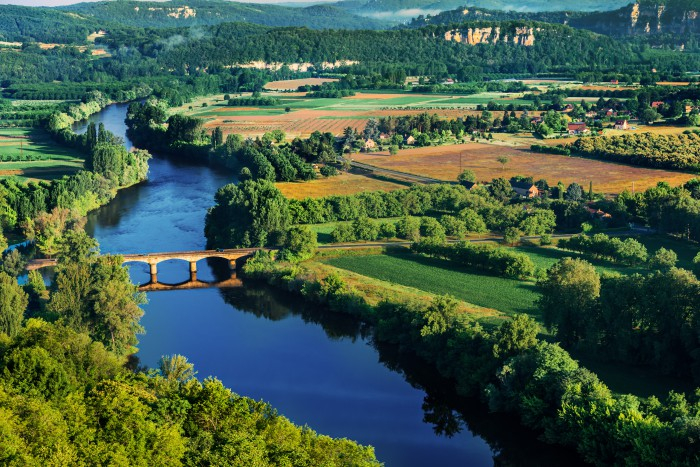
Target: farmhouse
526	190
656	104
614	81
568	108
383	137
621	125
578	128
369	144
410	140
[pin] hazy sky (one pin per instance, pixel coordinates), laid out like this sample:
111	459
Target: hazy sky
68	2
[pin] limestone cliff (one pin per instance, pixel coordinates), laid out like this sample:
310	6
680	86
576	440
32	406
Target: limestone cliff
645	17
522	35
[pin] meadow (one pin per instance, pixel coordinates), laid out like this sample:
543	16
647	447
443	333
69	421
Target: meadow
30	154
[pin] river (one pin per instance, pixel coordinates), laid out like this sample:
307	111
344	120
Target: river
317	369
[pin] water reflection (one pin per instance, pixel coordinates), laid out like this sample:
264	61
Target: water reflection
447	413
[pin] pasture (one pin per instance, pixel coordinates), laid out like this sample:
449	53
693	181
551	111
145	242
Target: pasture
30	154
446	162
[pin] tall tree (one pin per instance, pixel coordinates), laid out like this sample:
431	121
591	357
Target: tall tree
13	303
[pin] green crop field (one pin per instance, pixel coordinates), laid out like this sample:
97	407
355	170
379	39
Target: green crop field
31	154
443	277
364	102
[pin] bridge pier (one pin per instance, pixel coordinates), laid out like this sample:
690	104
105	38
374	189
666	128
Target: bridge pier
193	267
232	265
154	269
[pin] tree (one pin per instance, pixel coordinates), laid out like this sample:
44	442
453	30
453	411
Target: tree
650	116
75	246
300	243
253	213
393	150
408	228
431	228
13	303
176	369
663	259
569	294
217	137
466	176
387	230
500	189
365	228
503	160
574	192
511	236
515	336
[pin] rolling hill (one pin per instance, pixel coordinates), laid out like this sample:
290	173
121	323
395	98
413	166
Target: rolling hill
185	13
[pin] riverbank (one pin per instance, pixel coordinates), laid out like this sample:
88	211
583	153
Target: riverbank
507	367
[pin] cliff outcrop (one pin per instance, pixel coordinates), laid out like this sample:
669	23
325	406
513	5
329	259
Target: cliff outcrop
522	35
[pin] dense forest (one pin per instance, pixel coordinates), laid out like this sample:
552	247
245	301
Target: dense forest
29	24
180	13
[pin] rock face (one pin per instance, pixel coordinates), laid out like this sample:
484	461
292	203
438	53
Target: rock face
524	36
645	17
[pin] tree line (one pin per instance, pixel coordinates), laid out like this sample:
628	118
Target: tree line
637	319
513	372
645	149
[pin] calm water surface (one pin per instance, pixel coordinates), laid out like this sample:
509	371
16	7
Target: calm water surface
315	368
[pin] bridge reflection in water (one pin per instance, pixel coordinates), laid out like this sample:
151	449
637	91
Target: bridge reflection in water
192	283
231	256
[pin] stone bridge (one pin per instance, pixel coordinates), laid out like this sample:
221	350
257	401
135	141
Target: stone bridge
192	257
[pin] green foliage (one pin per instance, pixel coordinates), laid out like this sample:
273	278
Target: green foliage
68	401
13	303
569	293
663	259
499	261
646	149
252	213
628	251
299	244
467	176
511	236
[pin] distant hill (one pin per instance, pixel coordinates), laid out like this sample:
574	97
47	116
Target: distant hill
468	13
401	10
645	18
30	24
184	13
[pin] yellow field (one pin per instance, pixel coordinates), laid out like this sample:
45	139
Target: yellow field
343	184
443	162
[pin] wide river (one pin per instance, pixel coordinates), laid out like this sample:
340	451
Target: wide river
316	368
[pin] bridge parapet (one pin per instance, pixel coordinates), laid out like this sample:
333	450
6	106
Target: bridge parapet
153	259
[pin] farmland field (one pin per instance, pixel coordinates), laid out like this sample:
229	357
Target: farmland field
343	184
443	162
307	115
295	83
443	277
17	145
